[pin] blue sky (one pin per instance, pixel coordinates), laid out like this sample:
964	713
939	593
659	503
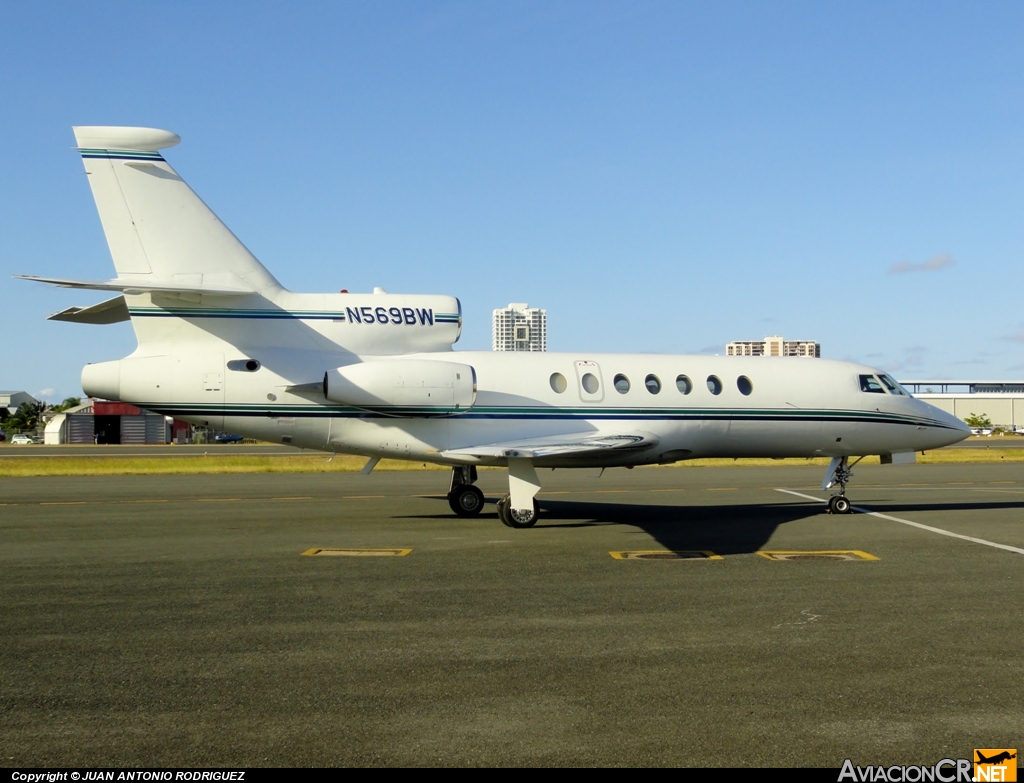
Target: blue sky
661	176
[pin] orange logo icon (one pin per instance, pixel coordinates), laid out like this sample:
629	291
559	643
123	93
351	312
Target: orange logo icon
995	764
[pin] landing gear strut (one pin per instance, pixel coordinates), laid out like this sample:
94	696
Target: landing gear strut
465	499
839	472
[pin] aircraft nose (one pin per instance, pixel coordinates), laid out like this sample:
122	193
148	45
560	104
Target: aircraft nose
958	430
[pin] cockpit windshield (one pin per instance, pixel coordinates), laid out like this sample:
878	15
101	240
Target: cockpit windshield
877	384
893	386
869	383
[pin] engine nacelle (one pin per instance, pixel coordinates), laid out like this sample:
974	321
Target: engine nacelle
404	387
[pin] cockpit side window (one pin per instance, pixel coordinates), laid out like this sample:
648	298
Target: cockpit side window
892	386
869	383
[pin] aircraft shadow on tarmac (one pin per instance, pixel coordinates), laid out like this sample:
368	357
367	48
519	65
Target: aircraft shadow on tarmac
724	530
896	507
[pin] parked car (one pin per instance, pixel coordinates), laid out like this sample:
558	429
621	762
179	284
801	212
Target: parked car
22	439
227	437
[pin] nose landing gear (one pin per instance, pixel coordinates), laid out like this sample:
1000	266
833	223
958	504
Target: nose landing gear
839	472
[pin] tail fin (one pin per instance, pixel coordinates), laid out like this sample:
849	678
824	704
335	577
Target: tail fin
157	228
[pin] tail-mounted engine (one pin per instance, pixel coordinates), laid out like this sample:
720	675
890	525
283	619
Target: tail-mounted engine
404	387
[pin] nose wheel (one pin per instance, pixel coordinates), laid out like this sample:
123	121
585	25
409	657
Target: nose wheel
838	504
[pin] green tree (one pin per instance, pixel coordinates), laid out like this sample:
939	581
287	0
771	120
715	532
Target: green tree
69	402
974	420
26	418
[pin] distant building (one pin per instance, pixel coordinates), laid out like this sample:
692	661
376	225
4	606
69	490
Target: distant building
774	346
519	327
102	422
1001	401
10	401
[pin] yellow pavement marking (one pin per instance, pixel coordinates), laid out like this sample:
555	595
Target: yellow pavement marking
63	502
358	552
666	554
364	497
217	500
815	554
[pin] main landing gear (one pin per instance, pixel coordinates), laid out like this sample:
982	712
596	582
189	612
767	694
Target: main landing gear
517	509
839	472
465	499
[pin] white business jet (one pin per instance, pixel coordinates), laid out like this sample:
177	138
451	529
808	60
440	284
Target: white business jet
221	343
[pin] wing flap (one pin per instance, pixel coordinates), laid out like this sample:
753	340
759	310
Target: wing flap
573	444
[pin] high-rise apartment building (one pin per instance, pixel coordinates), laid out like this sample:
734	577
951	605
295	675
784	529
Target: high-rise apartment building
774	346
519	327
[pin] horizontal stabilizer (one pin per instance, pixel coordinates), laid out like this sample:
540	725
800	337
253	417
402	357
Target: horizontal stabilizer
142	286
120	138
574	444
111	311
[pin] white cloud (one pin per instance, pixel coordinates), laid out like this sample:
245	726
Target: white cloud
935	264
44	394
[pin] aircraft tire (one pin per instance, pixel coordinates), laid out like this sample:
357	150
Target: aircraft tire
517	519
466	500
839	505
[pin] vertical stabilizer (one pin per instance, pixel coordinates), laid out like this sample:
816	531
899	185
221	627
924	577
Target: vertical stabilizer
155	225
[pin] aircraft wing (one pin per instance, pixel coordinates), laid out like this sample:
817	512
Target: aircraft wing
574	444
111	311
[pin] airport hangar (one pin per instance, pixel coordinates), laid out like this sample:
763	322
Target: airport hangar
1001	401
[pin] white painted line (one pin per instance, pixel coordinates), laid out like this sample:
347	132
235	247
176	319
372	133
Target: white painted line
929	528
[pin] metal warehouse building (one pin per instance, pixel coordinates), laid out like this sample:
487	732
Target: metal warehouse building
107	423
1001	401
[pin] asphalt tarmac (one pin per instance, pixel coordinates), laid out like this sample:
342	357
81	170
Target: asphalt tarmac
175	621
